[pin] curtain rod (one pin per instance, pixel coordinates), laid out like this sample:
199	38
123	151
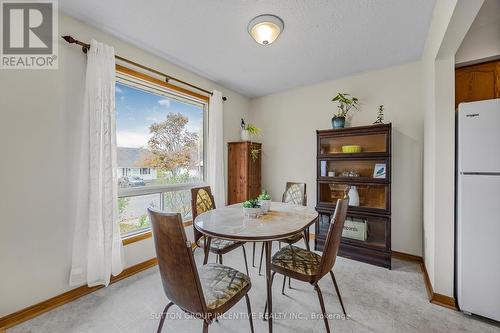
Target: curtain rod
86	47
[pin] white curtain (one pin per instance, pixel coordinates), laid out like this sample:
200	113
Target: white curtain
215	157
97	246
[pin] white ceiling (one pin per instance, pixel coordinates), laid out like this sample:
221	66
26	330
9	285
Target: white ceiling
322	40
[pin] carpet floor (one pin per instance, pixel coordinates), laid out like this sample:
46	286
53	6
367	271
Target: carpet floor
376	300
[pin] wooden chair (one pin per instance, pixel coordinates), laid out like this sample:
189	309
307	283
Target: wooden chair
310	267
206	293
295	193
202	200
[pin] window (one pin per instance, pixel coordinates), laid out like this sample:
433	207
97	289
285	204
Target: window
160	153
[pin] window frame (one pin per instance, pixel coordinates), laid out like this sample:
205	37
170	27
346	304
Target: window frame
146	82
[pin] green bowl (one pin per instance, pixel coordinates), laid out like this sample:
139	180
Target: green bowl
351	149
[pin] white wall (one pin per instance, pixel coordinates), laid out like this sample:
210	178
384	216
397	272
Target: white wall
483	38
289	121
450	23
39	137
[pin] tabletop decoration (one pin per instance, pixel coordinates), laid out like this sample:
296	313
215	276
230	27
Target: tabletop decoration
264	201
252	208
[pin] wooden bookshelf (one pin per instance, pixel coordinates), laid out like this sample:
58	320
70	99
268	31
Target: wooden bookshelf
367	234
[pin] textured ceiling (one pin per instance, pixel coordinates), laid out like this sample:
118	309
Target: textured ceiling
322	39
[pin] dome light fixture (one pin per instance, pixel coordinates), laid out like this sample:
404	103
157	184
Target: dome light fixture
265	28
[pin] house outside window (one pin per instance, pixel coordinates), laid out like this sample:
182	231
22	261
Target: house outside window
160	150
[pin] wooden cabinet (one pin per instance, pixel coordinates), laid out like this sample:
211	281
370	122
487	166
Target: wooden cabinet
367	233
477	82
244	173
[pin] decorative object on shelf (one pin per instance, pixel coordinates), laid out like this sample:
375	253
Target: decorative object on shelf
352	149
350	174
353	196
380	115
247	134
264	201
251	208
323	169
355	228
331	173
346	103
379	171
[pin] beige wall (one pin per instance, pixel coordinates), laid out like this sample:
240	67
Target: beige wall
39	139
450	23
482	40
289	121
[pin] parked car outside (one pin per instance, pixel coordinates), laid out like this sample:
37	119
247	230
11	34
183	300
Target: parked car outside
132	181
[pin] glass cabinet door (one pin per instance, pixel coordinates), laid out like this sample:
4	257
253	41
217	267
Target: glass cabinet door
365	169
368	143
363	196
368	230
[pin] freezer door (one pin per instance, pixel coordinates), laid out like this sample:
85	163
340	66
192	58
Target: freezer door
478	245
479	136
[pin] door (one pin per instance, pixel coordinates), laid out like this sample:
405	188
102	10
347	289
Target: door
479	136
478	245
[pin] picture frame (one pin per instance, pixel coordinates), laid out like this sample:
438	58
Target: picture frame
379	171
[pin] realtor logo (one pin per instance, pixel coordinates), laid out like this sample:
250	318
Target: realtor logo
29	32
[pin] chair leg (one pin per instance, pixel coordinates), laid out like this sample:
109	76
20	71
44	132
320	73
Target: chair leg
249	309
279	245
245	257
163	316
265	307
322	304
220	259
253	255
338	292
283	287
205	327
261	256
289	283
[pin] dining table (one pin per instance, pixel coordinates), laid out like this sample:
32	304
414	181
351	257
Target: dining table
280	222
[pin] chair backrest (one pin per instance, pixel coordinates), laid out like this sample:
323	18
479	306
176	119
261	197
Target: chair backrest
295	193
333	238
178	272
202	200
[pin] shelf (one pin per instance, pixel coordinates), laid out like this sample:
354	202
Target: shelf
367	232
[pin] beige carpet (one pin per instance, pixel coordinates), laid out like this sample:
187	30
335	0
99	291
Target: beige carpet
376	300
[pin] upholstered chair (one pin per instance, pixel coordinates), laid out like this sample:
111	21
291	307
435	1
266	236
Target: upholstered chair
207	292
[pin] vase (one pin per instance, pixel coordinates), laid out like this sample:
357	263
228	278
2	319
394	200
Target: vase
245	135
265	205
353	196
338	122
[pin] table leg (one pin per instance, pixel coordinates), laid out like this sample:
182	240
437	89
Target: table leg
269	285
206	248
305	235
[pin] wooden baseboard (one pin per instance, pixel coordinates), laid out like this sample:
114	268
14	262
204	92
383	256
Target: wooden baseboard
434	298
446	301
406	256
54	302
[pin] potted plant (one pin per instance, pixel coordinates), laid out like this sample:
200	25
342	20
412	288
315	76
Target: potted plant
251	208
265	201
346	103
247	131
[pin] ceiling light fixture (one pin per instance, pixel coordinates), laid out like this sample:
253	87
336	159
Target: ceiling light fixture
265	28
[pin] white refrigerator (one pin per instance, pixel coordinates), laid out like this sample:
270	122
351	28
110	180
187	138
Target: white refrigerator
478	208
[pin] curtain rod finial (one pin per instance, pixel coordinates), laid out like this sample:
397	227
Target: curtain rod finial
224	98
69	39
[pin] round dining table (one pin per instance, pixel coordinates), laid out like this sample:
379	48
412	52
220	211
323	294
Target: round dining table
282	221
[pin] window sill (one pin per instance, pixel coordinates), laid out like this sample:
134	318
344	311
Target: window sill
146	234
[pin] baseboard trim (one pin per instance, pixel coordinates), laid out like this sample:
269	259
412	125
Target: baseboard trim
54	302
406	256
443	300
